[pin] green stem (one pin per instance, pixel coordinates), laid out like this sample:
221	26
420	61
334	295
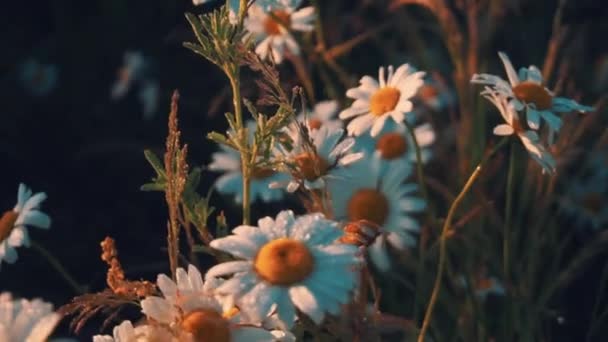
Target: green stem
243	141
429	219
506	241
56	264
419	168
443	239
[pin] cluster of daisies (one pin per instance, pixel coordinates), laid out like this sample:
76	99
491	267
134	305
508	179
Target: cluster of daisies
359	174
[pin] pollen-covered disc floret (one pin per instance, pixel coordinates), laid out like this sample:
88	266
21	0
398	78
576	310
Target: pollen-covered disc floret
13	223
376	101
381	196
271	24
311	162
288	263
228	161
190	311
526	92
26	320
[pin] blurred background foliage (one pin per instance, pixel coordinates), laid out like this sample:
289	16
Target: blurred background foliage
62	133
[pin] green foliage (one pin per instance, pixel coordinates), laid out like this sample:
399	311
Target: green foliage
219	41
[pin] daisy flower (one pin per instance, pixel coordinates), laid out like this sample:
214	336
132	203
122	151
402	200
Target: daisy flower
194	315
376	101
323	114
514	126
485	286
288	263
396	147
270	26
436	95
133	68
382	198
125	332
586	196
312	161
26	320
136	70
228	161
526	91
13	223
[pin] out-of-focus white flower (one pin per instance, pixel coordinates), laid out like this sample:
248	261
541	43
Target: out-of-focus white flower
395	147
125	332
136	71
485	285
26	320
37	78
514	126
323	114
13	223
228	161
382	198
377	101
271	24
288	263
313	161
526	91
436	95
193	314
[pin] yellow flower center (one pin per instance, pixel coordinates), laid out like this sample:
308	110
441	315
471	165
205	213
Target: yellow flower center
368	204
310	166
261	173
593	202
284	262
314	124
206	326
391	145
7	223
274	21
531	92
384	100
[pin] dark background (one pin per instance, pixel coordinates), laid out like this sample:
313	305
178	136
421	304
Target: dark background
85	150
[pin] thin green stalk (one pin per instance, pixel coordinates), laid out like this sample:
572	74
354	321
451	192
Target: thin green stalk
429	219
56	264
419	168
506	241
243	142
443	239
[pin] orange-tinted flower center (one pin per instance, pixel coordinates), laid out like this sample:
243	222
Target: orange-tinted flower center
360	233
274	21
284	262
593	202
484	284
427	92
261	172
311	166
391	145
206	326
384	100
368	204
314	123
531	92
7	223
